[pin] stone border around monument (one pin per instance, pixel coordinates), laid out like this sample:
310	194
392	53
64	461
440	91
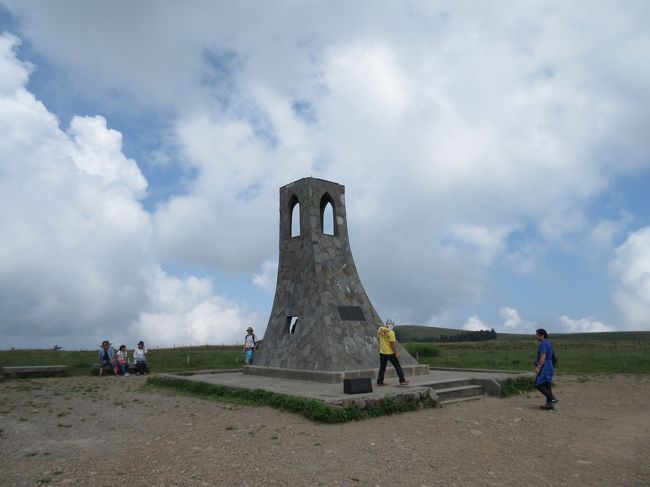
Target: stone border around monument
330	377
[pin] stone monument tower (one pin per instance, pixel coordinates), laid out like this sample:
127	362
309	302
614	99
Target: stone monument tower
323	326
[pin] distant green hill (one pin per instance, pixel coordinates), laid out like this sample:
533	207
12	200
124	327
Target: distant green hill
419	333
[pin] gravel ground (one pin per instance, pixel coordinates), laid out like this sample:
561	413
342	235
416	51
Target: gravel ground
107	431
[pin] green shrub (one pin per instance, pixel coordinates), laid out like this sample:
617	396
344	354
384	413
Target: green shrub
510	387
314	410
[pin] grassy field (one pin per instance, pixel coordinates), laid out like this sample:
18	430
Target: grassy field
580	353
162	360
415	333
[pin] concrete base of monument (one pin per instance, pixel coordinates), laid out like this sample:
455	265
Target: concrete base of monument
331	377
442	386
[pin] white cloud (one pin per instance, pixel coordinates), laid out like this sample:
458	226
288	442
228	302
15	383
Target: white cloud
631	269
15	74
76	241
219	222
583	325
185	311
474	323
447	123
514	323
600	238
267	278
98	152
483	242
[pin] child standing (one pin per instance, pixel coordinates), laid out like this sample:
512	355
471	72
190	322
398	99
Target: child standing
140	356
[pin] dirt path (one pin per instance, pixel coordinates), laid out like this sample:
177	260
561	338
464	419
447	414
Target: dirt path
107	432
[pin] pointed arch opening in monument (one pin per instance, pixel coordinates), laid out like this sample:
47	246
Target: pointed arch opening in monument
327	215
294	210
292	323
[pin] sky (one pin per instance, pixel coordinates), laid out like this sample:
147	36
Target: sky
496	159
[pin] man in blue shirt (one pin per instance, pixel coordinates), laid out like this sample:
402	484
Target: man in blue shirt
544	369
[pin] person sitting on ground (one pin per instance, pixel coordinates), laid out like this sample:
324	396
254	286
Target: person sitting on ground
106	357
123	360
388	353
140	357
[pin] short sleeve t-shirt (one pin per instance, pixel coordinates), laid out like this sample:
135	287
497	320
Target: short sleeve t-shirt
545	347
249	341
385	336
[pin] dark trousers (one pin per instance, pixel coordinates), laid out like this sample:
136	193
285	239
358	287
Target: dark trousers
141	367
383	361
545	388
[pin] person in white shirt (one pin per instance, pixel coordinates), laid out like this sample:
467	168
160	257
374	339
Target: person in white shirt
249	345
140	357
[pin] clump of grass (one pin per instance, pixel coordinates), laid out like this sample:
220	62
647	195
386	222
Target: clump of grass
511	387
311	409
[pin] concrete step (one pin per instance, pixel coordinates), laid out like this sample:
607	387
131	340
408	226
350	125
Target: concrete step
461	399
446	384
459	392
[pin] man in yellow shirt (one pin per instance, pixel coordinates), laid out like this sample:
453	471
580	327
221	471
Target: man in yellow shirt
388	353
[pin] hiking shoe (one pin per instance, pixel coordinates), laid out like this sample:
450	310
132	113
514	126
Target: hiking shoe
547	407
383	384
404	382
126	374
